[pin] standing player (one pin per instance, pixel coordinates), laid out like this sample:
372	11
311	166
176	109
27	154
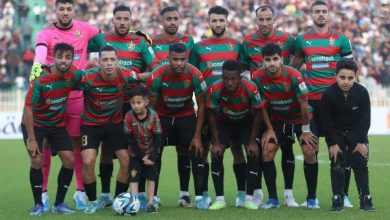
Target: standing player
44	115
102	120
77	34
133	52
235	108
252	59
320	49
143	131
170	21
171	87
285	93
346	119
208	56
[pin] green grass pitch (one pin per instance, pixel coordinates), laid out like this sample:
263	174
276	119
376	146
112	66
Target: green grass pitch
16	196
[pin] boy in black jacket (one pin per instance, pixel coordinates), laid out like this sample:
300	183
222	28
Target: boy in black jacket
346	120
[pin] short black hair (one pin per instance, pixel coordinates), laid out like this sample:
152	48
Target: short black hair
63	47
219	10
177	48
138	91
348	64
64	2
121	8
318	2
271	49
231	65
106	48
265	8
168	9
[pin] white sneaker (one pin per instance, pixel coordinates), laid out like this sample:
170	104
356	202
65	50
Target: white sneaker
258	198
347	203
240	199
289	201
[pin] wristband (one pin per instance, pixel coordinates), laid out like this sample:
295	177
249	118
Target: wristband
306	128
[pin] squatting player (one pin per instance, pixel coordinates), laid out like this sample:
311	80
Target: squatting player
285	93
208	56
171	87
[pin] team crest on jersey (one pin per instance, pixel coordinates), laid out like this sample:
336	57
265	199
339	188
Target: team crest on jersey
133	173
331	41
187	83
130	46
48	101
78	33
286	86
244	98
280	44
165	98
225	110
231	47
209	64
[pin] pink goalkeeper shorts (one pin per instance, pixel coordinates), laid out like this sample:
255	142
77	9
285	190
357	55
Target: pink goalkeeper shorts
74	109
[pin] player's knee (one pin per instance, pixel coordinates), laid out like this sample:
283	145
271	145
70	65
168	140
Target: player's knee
358	161
36	162
269	154
67	159
309	155
89	161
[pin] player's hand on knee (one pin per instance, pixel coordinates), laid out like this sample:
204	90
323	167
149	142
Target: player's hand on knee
362	149
196	144
253	150
309	139
33	148
36	71
267	136
216	149
334	150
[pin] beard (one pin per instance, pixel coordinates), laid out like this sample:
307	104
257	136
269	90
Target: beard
117	31
65	24
218	34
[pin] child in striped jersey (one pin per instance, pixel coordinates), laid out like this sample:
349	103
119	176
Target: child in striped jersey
143	131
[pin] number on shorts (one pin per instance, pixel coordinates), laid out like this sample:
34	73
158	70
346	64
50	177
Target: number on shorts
84	140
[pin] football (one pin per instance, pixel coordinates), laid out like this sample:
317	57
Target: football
126	204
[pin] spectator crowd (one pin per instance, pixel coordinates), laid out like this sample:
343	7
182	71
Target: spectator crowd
365	22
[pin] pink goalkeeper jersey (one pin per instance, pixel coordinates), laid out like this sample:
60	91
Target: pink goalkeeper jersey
77	35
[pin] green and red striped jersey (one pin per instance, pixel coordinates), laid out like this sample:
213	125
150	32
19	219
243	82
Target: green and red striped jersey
47	95
103	99
281	93
132	50
161	46
321	52
210	54
236	105
174	92
251	52
142	131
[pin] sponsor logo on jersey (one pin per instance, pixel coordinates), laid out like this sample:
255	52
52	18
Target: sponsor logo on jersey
309	42
318	59
217	64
